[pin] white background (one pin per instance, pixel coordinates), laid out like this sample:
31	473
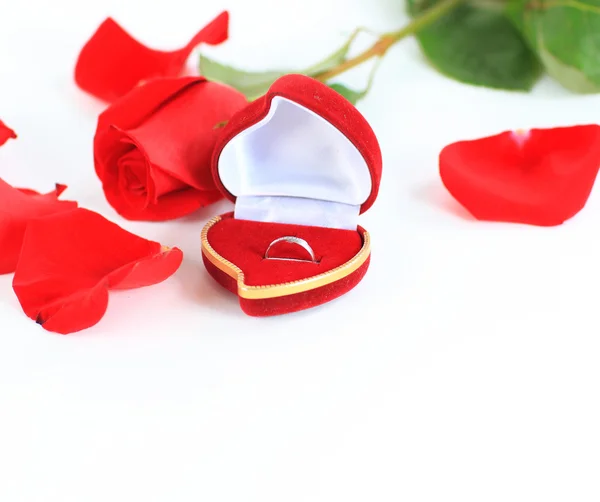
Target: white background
464	367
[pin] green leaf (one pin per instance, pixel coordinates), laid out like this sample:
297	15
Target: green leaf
334	59
566	36
350	94
255	84
479	47
251	84
355	96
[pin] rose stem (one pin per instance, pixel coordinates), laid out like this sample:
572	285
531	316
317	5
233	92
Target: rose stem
386	41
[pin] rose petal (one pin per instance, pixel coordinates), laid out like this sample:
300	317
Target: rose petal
112	62
18	207
170	123
111	140
168	207
539	177
58	190
133	179
6	133
163	183
186	125
139	104
69	261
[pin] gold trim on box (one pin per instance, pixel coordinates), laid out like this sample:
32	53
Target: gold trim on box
287	288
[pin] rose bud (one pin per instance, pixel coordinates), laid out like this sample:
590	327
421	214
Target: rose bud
153	146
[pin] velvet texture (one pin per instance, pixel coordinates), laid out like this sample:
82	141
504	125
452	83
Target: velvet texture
539	177
152	148
244	243
112	62
320	99
306	300
291	303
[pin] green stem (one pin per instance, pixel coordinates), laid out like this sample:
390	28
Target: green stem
386	41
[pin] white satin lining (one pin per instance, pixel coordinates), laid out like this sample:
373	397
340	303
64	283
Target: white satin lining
295	167
297	211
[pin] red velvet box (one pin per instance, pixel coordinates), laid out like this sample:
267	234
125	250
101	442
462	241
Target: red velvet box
301	163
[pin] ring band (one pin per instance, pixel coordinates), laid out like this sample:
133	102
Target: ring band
292	240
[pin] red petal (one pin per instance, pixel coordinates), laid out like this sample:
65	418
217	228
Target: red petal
168	207
170	121
18	207
58	190
112	62
181	137
69	261
543	177
6	133
142	102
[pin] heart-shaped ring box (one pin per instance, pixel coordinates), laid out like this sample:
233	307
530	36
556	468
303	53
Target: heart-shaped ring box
299	162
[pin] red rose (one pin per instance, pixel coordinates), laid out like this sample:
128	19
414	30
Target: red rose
153	146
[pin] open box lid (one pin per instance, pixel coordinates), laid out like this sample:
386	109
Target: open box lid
300	140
